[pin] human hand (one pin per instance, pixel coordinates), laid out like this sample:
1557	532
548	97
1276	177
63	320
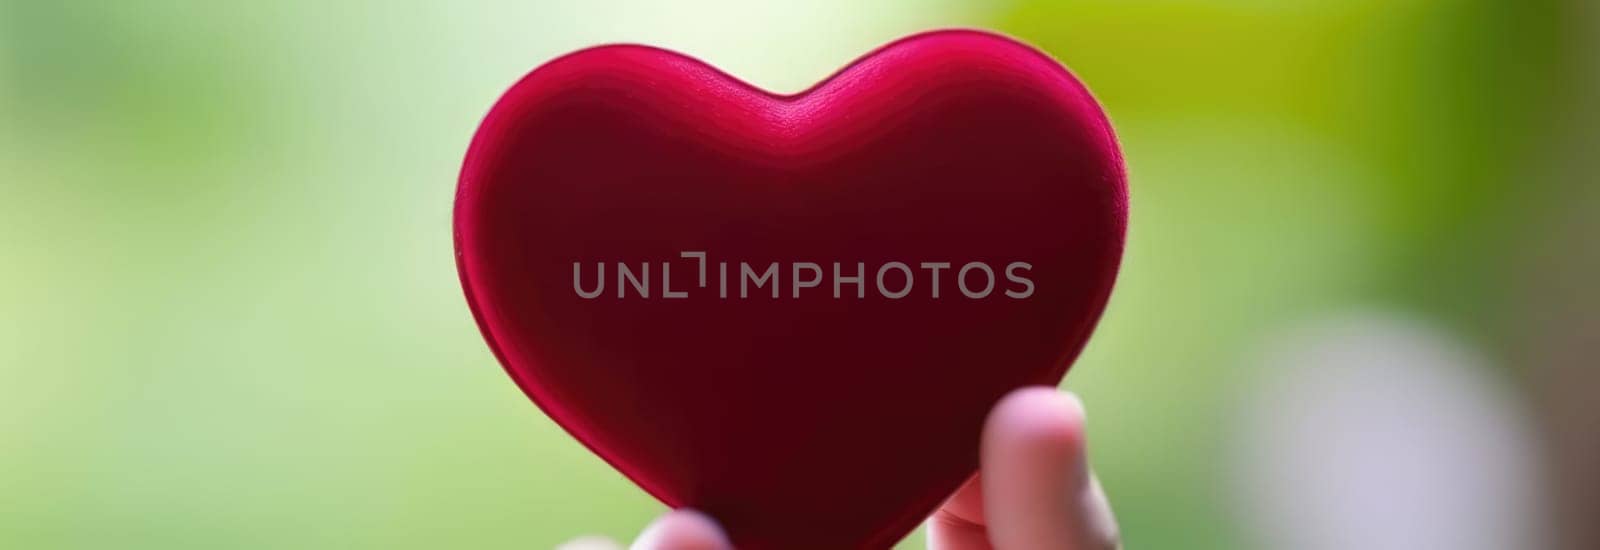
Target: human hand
1034	490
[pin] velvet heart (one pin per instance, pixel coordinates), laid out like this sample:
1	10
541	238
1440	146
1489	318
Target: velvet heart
791	312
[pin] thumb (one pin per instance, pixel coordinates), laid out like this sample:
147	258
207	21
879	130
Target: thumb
1038	492
682	530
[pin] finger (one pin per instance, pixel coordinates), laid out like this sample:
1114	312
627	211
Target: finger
1038	492
682	530
590	543
958	525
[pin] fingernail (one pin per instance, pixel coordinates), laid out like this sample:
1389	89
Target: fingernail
683	530
1077	402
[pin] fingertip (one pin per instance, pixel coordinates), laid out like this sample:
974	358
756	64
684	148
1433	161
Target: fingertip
1041	400
1037	421
683	530
1037	488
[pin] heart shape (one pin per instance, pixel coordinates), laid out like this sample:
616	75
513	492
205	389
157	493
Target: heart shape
791	312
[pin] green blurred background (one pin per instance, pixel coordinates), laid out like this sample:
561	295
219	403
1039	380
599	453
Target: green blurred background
229	315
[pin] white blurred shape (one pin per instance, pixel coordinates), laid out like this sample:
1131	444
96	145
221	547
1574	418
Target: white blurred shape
1379	433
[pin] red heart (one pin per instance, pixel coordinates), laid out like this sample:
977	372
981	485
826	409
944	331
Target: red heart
801	420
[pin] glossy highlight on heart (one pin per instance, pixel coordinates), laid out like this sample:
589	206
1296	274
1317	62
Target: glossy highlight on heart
791	312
